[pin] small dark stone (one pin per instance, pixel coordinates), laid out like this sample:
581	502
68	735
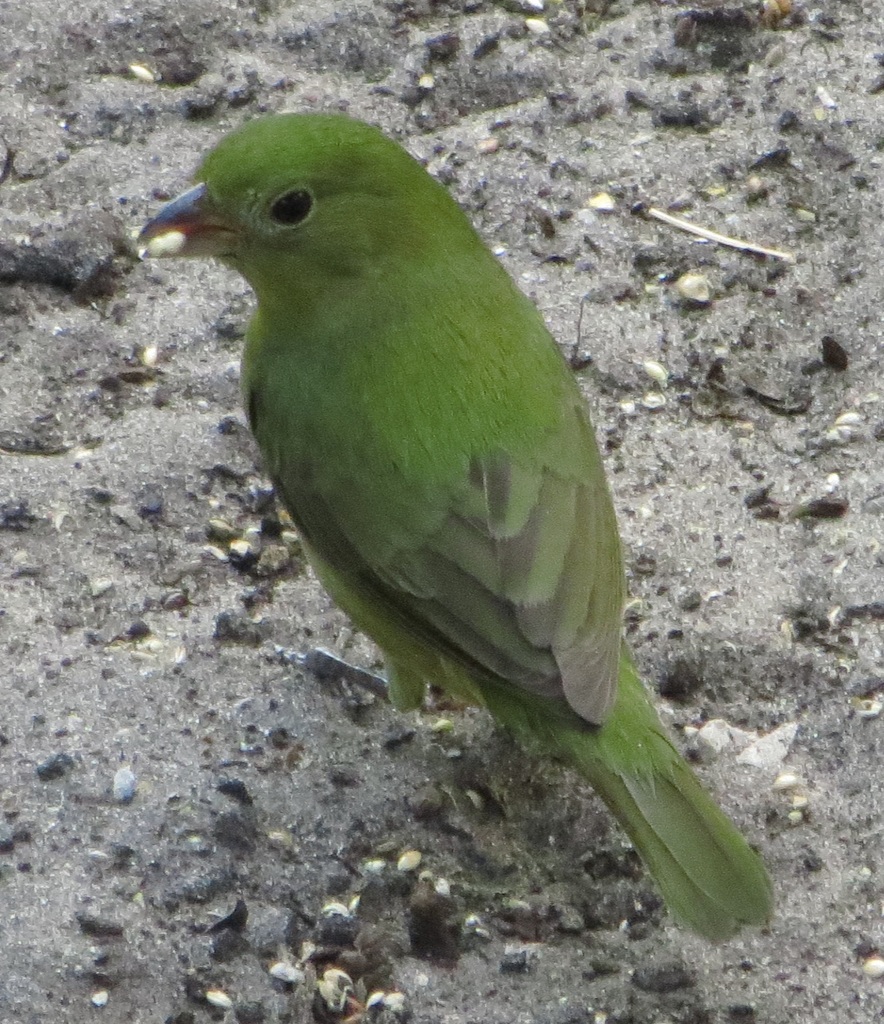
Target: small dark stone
514	961
779	157
687	115
822	508
742	1012
758	497
99	927
137	630
443	47
7	839
691	601
834	354
227	946
645	564
200	105
788	121
344	778
250	1013
681	678
236	790
812	861
235	920
232	628
55	767
336	930
398	736
488	45
666	977
433	924
150	502
232	830
177	69
16	516
271	929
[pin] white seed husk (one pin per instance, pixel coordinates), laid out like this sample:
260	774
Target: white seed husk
873	967
142	73
694	287
409	861
335	909
334	987
215	997
656	371
282	970
785	781
603	202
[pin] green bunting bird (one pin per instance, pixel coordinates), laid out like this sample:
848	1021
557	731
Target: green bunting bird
434	450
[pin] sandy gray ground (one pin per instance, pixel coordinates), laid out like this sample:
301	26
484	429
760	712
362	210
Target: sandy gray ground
134	638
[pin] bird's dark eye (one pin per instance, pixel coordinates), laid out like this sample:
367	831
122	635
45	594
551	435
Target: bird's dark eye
291	207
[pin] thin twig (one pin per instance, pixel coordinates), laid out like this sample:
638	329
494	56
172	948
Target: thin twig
714	236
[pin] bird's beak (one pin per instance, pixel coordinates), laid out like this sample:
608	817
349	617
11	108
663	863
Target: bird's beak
190	225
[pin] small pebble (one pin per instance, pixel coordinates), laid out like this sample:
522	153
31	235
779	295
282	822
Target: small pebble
125	784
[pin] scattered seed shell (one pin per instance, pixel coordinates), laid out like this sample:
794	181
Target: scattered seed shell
537	26
694	287
334	987
653	400
786	781
215	997
335	909
603	202
394	1001
374	866
488	146
426	82
282	970
100	998
656	371
867	707
409	861
442	725
142	73
873	967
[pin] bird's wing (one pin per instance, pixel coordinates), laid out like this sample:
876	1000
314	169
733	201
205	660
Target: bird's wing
520	578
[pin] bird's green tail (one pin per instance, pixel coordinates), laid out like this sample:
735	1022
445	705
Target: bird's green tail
711	879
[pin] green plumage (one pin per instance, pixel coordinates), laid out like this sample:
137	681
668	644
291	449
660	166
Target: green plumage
433	448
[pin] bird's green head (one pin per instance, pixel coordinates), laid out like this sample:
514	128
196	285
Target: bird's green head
293	197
